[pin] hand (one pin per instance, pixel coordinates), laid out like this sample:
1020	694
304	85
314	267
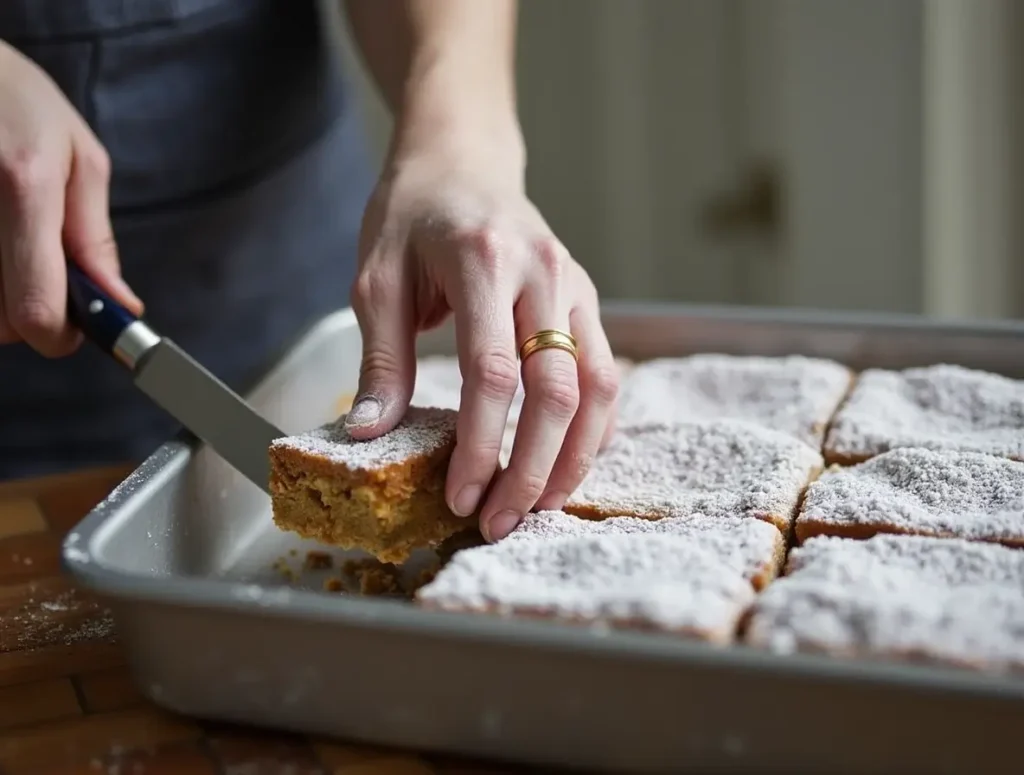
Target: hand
452	231
53	197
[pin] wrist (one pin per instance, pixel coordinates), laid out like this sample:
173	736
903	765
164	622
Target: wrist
460	111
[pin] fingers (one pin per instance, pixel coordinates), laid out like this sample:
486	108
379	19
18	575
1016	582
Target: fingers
88	236
385	309
32	256
485	338
552	397
594	421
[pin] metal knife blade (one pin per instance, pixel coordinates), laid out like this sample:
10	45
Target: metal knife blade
208	408
174	381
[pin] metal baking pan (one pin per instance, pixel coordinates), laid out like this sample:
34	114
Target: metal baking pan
184	548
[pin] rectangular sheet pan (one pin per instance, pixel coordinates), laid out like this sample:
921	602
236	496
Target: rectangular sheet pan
184	552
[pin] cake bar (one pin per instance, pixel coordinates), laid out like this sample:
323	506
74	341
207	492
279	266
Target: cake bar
719	469
692	576
793	394
919	491
906	597
384	496
937	407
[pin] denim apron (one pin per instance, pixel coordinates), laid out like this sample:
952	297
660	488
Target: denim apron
239	179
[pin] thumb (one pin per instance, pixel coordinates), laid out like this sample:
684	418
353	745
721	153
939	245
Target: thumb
88	235
384	308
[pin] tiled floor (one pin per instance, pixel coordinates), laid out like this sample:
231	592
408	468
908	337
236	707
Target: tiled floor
67	702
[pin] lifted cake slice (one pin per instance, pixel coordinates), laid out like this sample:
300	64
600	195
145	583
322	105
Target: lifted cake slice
384	496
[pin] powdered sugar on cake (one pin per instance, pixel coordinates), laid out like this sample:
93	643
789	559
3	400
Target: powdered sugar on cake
940	599
667	582
962	494
719	469
422	431
938	407
748	546
793	394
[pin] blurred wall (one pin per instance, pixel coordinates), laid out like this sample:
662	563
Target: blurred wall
780	152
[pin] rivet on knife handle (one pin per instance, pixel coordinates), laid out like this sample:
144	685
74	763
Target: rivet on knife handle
106	323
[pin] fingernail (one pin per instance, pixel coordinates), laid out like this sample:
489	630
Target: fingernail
501	524
467	499
122	288
367	411
552	501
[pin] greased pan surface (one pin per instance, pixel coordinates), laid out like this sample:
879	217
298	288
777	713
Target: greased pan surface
184	551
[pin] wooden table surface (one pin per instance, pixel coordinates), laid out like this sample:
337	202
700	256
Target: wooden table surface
67	702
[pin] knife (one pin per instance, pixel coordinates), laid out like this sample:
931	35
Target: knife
173	380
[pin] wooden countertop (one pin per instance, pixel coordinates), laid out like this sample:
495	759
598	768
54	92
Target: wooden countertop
67	701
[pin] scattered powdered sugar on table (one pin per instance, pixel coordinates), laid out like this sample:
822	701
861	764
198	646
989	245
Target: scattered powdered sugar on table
720	469
936	599
962	494
667	582
64	617
748	546
793	394
938	407
422	431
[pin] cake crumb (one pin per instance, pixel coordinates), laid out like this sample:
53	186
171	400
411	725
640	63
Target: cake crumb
375	578
334	584
317	560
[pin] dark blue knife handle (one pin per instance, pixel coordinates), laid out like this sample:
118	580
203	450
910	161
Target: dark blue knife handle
101	319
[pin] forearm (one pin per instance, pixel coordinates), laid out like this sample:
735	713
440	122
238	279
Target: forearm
445	67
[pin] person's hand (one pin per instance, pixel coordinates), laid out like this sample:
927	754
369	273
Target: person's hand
53	198
450	229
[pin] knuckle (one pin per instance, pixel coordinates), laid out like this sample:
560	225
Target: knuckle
97	161
558	396
495	375
35	319
531	485
379	362
551	256
373	287
484	244
25	171
603	382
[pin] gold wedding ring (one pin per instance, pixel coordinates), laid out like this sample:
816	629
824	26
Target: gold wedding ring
547	340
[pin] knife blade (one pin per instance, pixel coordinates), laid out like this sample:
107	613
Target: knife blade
175	381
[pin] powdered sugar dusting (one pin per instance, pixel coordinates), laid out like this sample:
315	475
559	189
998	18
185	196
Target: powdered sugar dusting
664	581
748	546
938	599
794	394
938	407
719	469
962	494
422	431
